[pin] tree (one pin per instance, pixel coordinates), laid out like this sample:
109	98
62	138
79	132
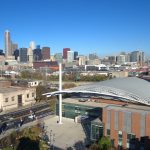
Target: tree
105	143
40	89
94	147
68	85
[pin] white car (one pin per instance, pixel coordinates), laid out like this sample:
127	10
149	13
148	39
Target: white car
31	116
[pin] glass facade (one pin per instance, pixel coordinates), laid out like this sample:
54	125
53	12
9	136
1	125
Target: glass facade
73	110
93	127
96	131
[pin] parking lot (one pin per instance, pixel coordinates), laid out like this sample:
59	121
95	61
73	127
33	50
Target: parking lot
66	135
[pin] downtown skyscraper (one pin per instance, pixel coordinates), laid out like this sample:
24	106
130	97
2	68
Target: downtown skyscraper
7	44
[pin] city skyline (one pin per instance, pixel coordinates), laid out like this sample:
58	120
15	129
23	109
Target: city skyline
85	26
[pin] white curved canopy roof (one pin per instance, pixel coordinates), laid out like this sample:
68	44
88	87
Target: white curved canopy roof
127	89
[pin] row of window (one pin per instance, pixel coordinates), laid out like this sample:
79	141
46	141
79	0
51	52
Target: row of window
129	135
28	95
120	137
13	97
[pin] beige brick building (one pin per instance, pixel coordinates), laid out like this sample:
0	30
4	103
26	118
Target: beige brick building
13	97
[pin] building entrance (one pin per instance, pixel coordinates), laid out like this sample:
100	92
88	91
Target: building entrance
19	100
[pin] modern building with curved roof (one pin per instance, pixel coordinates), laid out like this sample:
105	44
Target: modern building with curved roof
131	89
120	108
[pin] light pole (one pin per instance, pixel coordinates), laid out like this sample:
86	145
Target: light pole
60	95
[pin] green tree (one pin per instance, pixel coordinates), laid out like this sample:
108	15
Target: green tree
105	143
26	74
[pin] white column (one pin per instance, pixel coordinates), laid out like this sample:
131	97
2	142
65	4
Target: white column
60	95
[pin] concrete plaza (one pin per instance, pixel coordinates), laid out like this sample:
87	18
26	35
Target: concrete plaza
66	135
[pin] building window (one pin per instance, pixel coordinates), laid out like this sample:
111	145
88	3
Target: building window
13	98
120	134
120	139
96	131
108	132
77	109
6	99
32	94
27	95
129	137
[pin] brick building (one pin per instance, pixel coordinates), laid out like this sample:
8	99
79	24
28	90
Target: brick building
122	124
12	97
45	53
65	50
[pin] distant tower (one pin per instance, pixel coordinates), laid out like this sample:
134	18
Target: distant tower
32	45
23	55
65	50
30	55
7	44
45	53
30	52
75	55
70	56
14	46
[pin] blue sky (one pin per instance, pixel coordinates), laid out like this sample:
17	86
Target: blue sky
102	26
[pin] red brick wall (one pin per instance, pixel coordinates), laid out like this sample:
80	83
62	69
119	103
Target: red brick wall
135	128
104	119
147	132
120	126
114	133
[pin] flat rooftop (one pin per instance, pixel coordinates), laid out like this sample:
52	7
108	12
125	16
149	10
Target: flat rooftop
87	103
129	107
11	89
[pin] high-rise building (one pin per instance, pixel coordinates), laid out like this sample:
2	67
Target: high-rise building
65	50
7	44
75	55
38	47
82	60
30	55
137	56
70	56
23	55
58	57
45	53
128	57
14	46
37	55
16	54
112	59
1	52
32	45
93	56
120	59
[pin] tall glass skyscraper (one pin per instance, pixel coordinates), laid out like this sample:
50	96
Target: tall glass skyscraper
23	55
7	44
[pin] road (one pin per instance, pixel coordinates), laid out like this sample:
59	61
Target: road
13	120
